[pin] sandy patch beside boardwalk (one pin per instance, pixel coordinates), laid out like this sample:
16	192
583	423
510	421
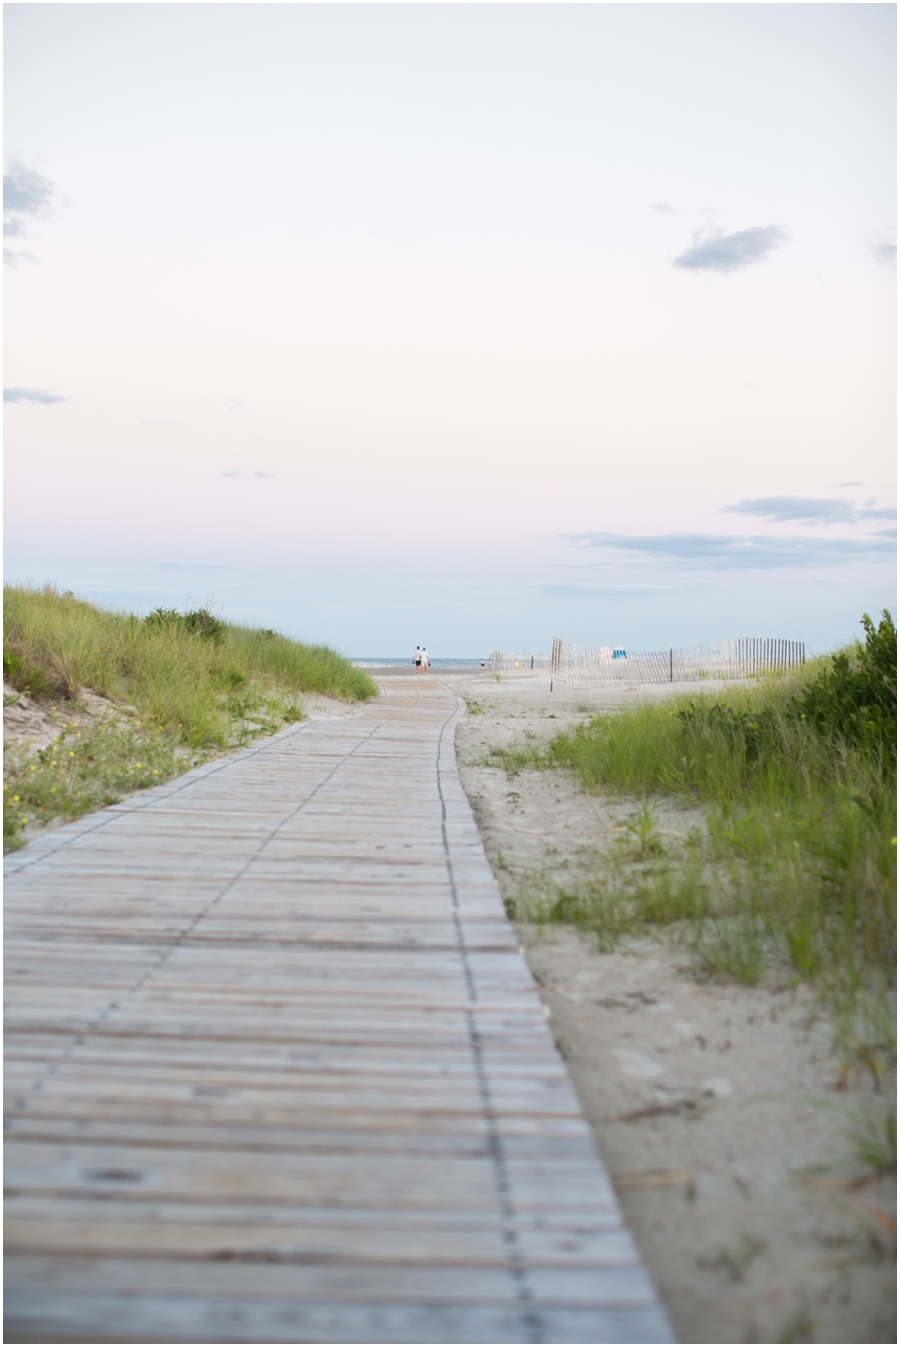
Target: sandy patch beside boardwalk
714	1107
34	723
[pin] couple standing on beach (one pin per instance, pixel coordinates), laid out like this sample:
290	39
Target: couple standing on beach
421	660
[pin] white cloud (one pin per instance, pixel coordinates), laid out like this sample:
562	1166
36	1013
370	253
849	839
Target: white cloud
720	551
809	509
714	250
31	395
27	196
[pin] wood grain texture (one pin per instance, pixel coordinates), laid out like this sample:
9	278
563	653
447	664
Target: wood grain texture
277	1072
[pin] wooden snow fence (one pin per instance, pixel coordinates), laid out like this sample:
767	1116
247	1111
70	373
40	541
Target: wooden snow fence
576	666
506	660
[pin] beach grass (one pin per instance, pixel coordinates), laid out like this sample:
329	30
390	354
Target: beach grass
181	687
792	875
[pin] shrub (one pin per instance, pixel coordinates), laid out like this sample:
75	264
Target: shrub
854	697
200	622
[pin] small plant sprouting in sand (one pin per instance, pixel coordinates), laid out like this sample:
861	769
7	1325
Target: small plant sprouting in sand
516	758
873	1137
645	839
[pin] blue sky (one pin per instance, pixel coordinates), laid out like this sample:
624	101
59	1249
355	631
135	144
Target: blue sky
467	324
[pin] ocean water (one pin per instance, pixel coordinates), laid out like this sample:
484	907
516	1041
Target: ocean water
401	661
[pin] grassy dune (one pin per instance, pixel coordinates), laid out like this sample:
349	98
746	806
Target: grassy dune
793	876
191	684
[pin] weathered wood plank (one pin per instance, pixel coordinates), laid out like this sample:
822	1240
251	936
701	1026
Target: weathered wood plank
140	1318
63	1226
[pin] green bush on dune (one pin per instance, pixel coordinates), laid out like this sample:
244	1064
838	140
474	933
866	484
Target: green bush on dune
854	698
191	685
793	874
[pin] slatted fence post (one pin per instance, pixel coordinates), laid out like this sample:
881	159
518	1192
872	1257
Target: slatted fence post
554	660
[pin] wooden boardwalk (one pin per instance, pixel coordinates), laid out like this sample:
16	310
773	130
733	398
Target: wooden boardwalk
276	1070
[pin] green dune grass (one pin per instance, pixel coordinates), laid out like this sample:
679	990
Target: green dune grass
793	875
190	685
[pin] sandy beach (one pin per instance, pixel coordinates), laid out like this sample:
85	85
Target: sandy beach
716	1108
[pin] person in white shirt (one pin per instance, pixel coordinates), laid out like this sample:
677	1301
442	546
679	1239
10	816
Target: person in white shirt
425	660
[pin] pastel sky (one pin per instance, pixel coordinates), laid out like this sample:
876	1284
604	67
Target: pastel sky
464	324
